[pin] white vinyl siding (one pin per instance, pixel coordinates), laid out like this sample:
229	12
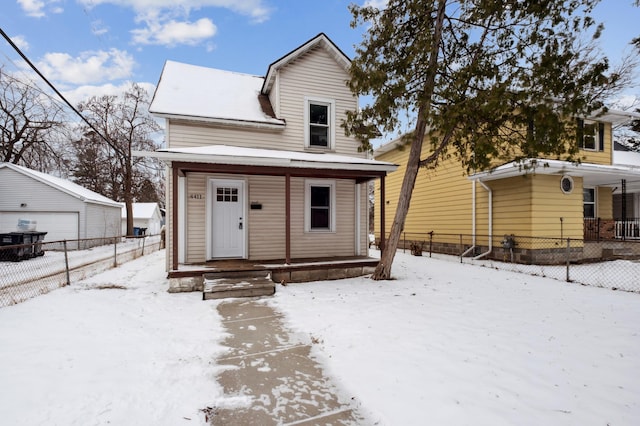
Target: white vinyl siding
315	74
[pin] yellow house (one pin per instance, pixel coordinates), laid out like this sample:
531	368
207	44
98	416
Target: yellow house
531	211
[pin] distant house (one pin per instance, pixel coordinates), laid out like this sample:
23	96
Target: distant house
146	218
63	209
259	167
558	199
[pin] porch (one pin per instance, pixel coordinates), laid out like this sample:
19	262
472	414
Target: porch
596	229
191	277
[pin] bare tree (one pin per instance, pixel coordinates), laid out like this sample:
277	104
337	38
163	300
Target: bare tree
126	126
32	125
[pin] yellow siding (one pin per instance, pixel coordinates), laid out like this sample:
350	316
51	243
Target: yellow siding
600	157
604	202
549	204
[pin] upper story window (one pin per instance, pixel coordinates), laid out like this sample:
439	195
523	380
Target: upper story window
590	135
319	123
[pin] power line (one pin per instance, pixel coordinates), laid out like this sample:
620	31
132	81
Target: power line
33	67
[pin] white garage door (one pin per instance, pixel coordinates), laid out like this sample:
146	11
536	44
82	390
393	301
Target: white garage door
57	225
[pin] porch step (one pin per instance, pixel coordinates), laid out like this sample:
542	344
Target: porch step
220	285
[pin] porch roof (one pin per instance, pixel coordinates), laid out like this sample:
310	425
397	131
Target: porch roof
592	174
257	157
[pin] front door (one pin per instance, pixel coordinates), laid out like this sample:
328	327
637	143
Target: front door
228	222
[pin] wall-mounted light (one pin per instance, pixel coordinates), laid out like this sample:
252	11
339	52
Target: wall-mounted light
23	205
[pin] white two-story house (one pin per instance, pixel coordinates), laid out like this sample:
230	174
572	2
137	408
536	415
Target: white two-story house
259	168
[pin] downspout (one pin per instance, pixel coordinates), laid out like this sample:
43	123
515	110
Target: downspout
473	219
490	221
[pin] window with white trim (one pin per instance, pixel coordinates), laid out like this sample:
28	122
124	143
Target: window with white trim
319	197
319	123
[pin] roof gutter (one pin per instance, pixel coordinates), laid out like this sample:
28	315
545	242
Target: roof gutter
225	122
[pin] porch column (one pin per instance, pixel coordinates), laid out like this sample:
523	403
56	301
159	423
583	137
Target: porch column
174	218
382	210
287	218
624	209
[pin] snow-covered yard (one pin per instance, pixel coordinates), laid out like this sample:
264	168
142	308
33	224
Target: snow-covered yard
444	343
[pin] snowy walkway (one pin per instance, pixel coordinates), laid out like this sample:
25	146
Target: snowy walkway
273	373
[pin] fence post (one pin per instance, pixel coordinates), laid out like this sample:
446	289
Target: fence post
115	252
461	248
404	242
568	257
66	261
143	241
430	243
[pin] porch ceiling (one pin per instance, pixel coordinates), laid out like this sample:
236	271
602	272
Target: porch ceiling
592	174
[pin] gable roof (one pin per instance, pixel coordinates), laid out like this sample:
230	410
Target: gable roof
321	40
63	185
142	210
194	92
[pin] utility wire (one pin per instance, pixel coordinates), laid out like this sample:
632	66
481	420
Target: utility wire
23	56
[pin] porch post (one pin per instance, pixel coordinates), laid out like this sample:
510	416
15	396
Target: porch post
624	209
287	218
174	218
382	210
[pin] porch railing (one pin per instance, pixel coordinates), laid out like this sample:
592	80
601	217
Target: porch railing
628	229
596	229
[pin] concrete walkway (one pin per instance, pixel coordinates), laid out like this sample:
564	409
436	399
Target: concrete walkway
272	369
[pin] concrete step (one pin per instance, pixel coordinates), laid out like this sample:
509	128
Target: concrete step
221	285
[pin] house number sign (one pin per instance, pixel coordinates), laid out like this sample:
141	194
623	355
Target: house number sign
196	196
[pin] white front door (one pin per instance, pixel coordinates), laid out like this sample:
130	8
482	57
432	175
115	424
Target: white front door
228	222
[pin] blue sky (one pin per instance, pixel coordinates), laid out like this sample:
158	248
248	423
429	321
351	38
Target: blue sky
88	47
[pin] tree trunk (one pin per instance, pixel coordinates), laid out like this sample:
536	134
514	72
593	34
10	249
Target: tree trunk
383	270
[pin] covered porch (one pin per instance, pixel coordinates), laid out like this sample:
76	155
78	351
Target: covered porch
275	234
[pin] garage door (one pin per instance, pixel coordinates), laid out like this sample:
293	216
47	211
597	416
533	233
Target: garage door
57	225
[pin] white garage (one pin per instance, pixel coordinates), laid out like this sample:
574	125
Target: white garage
63	209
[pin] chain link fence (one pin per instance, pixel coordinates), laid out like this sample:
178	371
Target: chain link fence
29	270
613	263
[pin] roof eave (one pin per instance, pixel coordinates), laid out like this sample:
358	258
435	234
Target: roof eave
279	125
320	39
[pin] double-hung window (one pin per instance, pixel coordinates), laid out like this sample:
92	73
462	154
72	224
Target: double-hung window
319	123
320	206
590	135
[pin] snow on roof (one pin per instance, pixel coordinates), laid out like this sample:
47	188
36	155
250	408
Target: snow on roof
629	158
225	154
191	91
63	185
141	210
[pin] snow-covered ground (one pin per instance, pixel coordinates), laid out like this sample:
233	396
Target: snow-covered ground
443	343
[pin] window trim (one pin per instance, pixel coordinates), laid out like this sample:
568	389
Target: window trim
331	120
598	135
331	184
594	202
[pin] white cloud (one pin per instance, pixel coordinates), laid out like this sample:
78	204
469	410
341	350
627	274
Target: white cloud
85	92
378	4
32	7
166	22
172	32
89	67
21	42
35	8
253	8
